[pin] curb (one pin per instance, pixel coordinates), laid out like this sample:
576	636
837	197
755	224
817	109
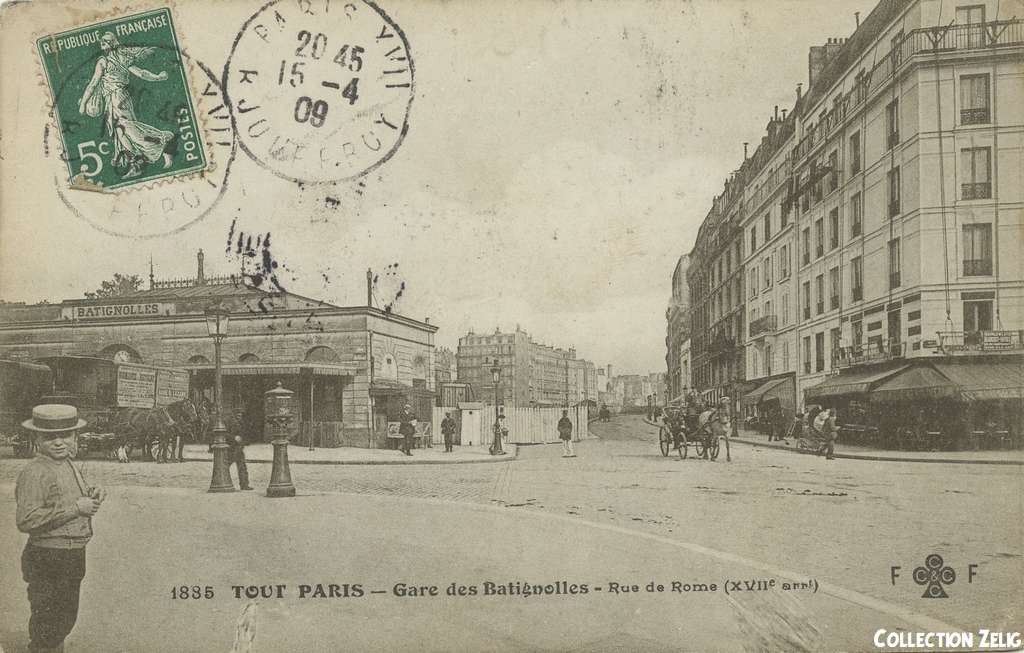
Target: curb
399	461
874	457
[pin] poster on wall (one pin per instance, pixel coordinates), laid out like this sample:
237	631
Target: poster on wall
136	386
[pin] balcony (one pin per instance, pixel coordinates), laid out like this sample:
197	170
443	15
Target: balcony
953	342
977	191
974	116
763	326
873	352
721	342
978	267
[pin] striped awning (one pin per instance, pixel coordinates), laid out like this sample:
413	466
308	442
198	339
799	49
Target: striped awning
754	397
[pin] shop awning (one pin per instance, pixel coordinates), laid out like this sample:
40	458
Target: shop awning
851	382
270	369
985	380
754	397
917	383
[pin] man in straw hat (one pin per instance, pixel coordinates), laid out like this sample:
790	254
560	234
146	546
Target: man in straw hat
55	508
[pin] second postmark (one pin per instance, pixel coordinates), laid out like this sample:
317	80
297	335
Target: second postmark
321	90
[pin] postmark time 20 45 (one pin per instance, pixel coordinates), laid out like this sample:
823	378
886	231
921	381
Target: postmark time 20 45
122	101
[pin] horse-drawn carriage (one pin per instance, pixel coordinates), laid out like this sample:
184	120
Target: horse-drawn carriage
127	406
684	427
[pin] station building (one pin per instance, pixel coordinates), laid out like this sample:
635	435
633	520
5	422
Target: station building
352	368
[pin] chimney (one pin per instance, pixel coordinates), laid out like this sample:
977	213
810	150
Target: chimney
745	144
369	288
799	91
816	59
784	114
856	16
152	279
776	116
200	276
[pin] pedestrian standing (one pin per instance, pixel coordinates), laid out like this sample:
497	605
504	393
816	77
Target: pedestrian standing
407	429
55	507
831	435
565	434
236	453
448	427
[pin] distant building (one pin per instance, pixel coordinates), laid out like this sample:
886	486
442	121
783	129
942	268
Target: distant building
444	365
677	317
530	373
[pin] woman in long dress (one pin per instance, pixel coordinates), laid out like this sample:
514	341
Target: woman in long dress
135	143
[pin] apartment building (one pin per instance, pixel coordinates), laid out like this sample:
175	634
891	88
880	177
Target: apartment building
677	318
877	225
530	373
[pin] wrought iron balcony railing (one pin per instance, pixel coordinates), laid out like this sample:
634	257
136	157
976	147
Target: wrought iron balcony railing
981	341
975	116
763	325
978	267
872	352
977	191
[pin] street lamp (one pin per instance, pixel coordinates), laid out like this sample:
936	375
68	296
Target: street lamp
217	325
496	449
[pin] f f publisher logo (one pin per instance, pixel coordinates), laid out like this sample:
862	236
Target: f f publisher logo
934	576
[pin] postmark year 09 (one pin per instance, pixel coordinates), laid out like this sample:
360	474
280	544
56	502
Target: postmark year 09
122	102
321	89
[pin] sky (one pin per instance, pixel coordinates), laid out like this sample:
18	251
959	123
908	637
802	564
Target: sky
560	158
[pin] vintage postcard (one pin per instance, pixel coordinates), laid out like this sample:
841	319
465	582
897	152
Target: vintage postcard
423	325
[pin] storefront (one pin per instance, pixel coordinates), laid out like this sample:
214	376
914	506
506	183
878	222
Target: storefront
332	357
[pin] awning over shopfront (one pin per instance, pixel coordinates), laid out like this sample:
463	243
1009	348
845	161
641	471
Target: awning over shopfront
270	369
917	383
849	382
985	380
754	397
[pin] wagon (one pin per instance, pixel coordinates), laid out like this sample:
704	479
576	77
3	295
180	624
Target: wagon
682	430
22	384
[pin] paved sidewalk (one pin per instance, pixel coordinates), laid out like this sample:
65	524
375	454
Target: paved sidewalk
298	454
852	452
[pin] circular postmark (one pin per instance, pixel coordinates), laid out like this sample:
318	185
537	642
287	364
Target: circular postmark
320	90
166	207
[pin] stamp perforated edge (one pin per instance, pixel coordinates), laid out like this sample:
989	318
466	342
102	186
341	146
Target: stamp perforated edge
190	74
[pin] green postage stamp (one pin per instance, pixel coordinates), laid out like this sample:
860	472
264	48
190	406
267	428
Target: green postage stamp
121	101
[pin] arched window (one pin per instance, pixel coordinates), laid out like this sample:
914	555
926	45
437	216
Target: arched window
322	354
198	360
248	358
120	354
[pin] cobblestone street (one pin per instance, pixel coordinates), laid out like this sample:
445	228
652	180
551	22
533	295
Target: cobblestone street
845	523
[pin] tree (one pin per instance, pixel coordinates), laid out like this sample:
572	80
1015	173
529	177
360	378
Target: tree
121	284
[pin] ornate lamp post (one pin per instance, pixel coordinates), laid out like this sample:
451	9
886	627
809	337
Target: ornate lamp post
279	411
496	449
217	324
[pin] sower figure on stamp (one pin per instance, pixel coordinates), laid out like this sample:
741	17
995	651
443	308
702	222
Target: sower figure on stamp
565	434
55	507
407	429
135	142
448	427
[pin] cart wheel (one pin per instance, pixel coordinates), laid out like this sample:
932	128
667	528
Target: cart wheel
683	446
664	440
713	446
698	447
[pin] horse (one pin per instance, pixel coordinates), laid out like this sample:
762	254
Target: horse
166	427
716	423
